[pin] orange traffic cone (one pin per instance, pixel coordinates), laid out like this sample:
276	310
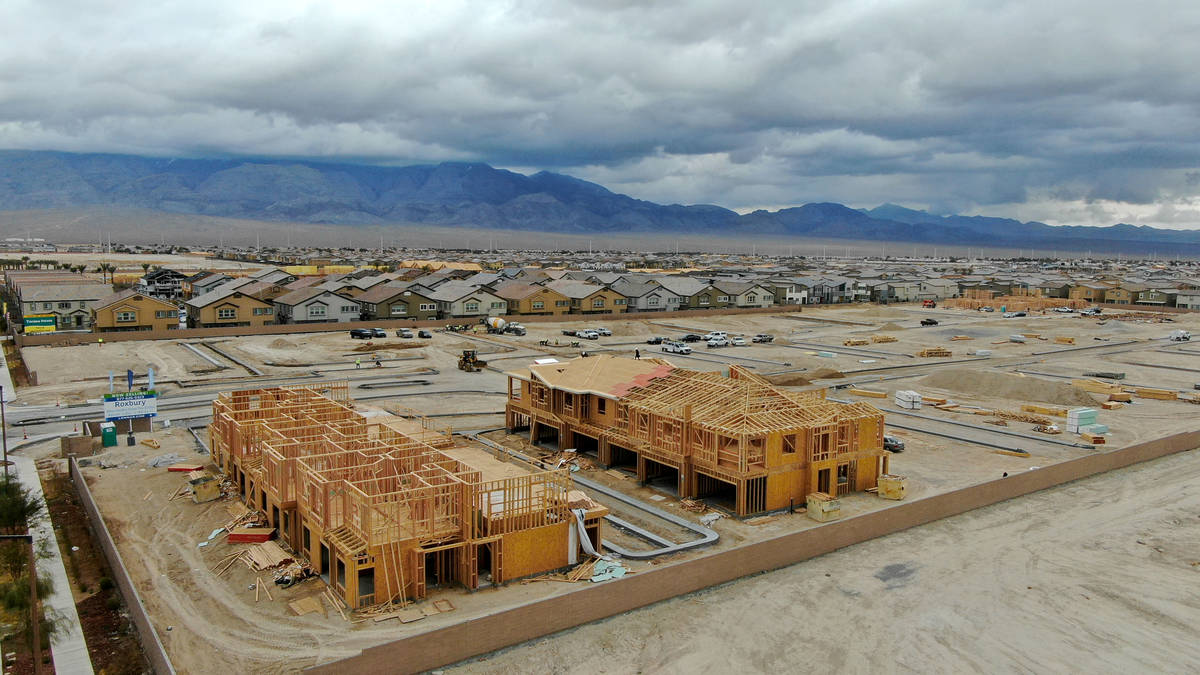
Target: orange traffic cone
76	428
26	434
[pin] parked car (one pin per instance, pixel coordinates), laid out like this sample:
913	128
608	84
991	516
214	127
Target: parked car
987	308
929	322
587	335
602	331
893	444
717	342
764	338
1014	315
738	342
1091	311
362	333
676	348
378	332
692	337
1064	310
424	334
656	340
403	333
717	334
569	332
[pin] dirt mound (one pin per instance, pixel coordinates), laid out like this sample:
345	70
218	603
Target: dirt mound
788	379
280	343
891	326
826	374
1006	385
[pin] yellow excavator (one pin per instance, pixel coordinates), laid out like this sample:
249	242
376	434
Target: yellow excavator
469	361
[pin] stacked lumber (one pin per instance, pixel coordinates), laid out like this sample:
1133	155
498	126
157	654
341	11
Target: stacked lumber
1112	405
580	572
257	558
1063	340
1194	398
934	400
947	406
1044	410
1097	387
868	393
1022	417
935	351
962	337
1033	336
693	505
1121	397
1160	394
883	338
1094	439
854	342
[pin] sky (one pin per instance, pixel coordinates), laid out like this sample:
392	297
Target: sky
1074	113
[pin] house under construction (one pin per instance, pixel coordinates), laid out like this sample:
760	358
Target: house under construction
736	439
384	505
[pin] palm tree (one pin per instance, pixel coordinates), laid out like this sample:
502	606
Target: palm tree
145	268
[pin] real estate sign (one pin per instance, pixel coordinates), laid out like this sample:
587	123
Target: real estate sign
40	323
130	405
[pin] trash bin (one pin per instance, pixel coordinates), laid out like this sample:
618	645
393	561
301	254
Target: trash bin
130	440
108	435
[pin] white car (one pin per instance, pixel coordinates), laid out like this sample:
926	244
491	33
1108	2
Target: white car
738	342
716	334
602	331
588	335
718	342
676	348
1064	310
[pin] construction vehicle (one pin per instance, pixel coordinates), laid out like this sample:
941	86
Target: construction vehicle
469	361
929	304
496	325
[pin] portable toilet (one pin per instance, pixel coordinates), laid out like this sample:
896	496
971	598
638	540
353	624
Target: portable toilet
108	435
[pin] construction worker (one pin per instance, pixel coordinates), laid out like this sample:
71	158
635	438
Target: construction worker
358	363
100	342
637	354
378	363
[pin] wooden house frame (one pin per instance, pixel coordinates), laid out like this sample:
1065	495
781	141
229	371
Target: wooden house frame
752	446
382	508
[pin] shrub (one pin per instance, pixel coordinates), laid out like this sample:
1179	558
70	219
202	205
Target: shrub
105	583
113	602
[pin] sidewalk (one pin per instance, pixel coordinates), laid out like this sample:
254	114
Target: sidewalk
68	649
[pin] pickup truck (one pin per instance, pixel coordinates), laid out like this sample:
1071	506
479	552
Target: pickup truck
602	331
763	337
717	334
587	335
717	342
676	348
738	342
929	322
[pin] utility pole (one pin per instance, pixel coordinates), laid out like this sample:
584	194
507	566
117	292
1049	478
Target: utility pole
4	431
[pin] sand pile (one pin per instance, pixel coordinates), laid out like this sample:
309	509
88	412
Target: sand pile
826	374
280	343
788	379
890	326
1007	385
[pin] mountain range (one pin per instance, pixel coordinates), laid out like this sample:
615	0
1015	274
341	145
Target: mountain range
479	196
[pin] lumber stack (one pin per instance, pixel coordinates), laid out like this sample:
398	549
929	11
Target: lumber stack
1097	387
935	352
868	393
854	342
1022	417
962	337
1044	410
1147	392
1094	439
1063	340
883	338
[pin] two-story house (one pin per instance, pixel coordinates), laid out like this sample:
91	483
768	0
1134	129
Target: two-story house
131	310
316	305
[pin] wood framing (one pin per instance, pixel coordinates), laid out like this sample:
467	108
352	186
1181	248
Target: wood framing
383	507
742	442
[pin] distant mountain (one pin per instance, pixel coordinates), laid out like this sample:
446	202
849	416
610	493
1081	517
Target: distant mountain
480	196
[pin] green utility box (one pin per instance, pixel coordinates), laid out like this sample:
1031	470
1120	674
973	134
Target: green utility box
108	435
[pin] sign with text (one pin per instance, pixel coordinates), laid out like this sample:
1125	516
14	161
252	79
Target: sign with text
130	405
40	323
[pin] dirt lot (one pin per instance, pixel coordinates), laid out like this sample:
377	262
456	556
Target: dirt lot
1080	578
216	621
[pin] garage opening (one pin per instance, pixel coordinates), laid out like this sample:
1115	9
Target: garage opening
366	586
586	445
441	567
662	477
623	458
547	435
716	492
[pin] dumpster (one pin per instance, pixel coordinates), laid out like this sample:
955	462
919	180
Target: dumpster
108	435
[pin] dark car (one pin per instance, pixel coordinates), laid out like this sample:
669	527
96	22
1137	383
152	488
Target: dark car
893	444
424	334
654	341
362	333
929	322
692	337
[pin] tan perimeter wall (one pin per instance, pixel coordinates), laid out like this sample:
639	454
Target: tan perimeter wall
151	645
484	634
191	333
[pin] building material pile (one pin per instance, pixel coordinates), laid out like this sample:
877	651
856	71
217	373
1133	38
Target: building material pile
1063	340
1147	392
1022	417
883	338
907	399
1055	411
935	352
854	342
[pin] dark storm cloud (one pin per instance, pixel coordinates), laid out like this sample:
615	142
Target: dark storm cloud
1061	111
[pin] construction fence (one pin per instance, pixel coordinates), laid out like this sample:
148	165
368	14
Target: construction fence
480	635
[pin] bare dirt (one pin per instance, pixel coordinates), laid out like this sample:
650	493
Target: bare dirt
1080	578
1007	385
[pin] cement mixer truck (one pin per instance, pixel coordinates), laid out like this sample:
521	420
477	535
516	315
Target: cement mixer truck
499	326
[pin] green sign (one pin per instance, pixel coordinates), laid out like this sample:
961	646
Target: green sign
40	323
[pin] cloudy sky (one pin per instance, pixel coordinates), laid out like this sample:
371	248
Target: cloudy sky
1067	112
